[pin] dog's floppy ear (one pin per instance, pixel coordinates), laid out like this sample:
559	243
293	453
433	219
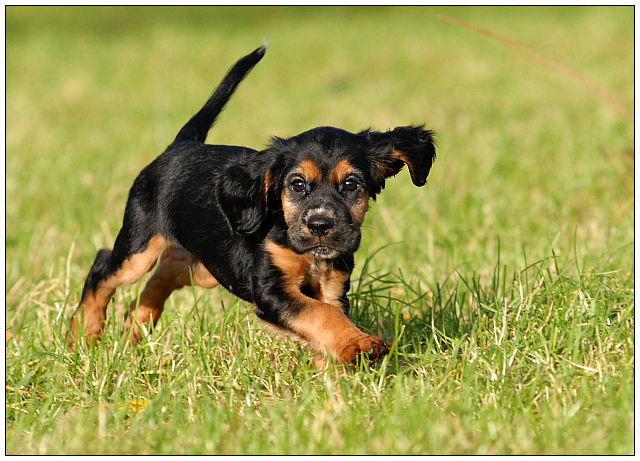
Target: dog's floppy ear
390	151
242	193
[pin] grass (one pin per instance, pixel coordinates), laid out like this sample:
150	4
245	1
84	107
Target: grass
506	284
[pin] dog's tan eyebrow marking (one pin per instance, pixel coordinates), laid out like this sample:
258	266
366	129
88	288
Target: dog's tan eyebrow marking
309	171
341	171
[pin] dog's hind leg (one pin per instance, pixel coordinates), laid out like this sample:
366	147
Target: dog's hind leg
177	268
110	269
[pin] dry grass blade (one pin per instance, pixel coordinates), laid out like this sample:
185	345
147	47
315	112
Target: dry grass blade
544	60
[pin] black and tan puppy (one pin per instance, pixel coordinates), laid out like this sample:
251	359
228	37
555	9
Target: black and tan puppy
277	228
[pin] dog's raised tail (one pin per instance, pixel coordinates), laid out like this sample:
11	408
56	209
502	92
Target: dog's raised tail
197	128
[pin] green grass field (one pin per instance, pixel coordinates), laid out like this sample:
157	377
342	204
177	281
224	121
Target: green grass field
506	284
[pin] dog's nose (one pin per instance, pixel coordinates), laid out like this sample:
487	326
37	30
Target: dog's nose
320	225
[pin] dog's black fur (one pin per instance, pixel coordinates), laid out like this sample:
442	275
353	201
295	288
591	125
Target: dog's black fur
277	228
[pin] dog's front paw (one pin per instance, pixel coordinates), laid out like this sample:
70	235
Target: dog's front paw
371	348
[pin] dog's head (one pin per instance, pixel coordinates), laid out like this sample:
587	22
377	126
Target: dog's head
321	181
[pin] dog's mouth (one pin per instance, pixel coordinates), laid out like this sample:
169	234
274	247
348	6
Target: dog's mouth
324	252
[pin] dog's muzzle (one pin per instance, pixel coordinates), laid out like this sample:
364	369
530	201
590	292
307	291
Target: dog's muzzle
320	225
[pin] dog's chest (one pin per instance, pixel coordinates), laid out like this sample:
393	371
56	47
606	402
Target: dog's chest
326	282
305	275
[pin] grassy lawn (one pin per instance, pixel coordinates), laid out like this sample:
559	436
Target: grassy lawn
506	284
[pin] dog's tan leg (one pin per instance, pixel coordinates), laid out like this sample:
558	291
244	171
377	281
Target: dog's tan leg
328	330
177	268
102	283
320	321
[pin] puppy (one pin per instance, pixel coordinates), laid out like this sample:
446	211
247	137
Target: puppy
277	228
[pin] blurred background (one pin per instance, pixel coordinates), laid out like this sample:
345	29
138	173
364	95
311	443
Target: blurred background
529	158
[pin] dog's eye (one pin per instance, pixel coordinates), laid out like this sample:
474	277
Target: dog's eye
350	184
298	185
